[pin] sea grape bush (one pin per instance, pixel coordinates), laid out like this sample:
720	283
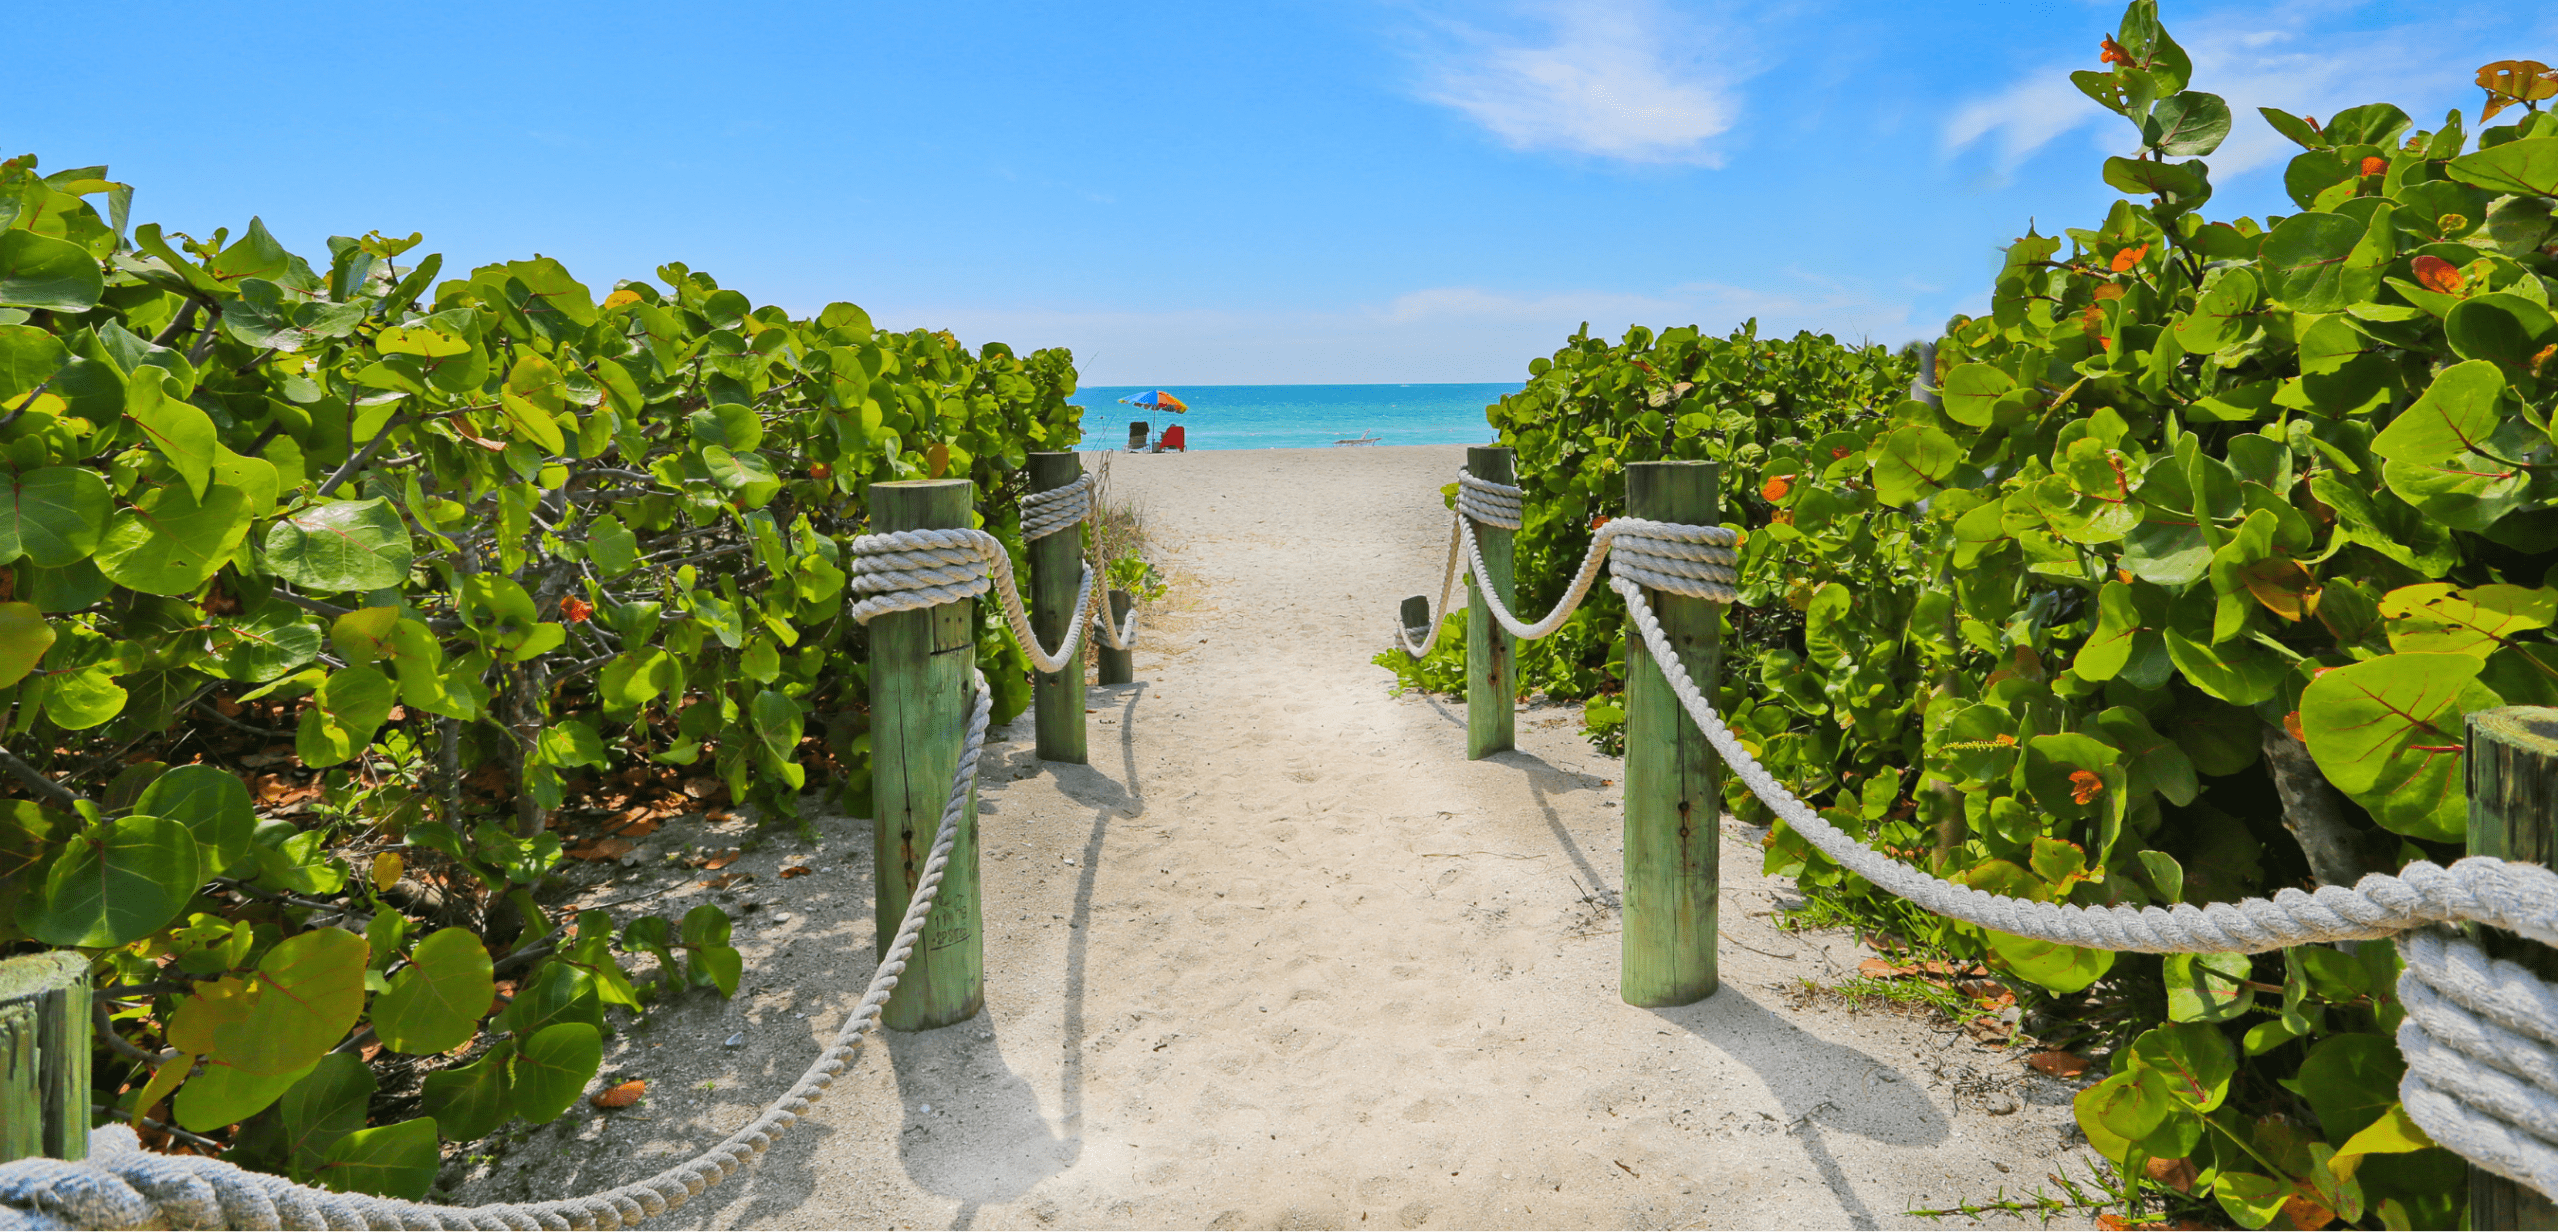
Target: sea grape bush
2177	591
463	547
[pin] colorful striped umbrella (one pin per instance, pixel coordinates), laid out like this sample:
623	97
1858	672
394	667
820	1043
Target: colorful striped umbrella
1158	400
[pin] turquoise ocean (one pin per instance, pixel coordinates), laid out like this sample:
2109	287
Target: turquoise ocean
1298	416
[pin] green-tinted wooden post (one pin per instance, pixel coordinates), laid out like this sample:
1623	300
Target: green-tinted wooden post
1056	573
1119	666
2513	815
1673	781
1492	654
44	1056
920	697
1416	617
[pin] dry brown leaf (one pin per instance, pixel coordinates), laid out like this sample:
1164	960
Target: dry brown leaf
2058	1064
795	870
717	860
622	1096
602	849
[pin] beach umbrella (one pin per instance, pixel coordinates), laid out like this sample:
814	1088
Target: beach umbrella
1158	400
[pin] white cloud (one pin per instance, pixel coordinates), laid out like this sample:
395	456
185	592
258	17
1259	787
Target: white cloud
1627	81
1435	334
2298	57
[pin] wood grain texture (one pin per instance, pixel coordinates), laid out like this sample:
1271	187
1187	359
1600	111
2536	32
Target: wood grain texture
1056	572
1492	654
1673	780
921	694
44	1056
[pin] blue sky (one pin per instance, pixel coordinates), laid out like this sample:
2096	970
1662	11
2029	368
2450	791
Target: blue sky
1208	193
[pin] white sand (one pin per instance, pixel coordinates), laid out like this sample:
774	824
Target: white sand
1282	957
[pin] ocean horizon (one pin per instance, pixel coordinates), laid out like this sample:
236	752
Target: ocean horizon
1298	416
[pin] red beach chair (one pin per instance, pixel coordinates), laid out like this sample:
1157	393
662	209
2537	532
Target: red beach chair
1174	439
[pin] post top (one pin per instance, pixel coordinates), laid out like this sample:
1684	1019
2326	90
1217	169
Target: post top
36	974
921	483
2531	728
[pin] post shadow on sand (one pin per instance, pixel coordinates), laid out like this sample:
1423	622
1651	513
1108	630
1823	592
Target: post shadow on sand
1820	1087
998	1143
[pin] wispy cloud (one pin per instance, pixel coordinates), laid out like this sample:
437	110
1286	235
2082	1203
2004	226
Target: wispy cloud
1457	333
1631	82
2302	57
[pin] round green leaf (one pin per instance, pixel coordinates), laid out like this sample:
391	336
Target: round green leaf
2349	1081
224	1095
24	637
39	271
552	1068
119	882
183	434
2195	1061
325	1105
2305	262
2501	328
213	804
28	357
2456	415
300	1001
349	545
469	1101
435	1004
2061	968
170	542
2388	732
2208	987
80	700
53	515
395	1161
2528	167
1913	462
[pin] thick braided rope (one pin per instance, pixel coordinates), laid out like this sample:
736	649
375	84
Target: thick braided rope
2480	1036
1688	560
2521	898
1045	513
912	569
121	1185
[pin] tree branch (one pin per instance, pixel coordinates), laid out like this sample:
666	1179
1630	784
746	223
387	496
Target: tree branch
2315	813
53	792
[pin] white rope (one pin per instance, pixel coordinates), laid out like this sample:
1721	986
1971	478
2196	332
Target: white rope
2480	1036
1688	560
908	570
1045	513
122	1185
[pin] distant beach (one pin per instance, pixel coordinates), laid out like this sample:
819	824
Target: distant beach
1299	416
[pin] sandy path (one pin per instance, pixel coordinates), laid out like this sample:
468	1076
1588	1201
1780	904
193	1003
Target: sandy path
1282	957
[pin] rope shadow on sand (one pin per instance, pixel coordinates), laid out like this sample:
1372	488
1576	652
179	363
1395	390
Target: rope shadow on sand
1817	1084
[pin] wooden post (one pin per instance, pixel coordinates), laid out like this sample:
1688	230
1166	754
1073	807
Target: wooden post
920	698
2513	815
1416	617
1492	654
1673	781
1119	666
44	1056
1056	571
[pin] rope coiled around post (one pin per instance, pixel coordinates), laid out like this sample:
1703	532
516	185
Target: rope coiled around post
122	1185
2480	1036
910	569
1686	560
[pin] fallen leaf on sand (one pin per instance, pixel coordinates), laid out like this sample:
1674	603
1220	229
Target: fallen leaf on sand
796	870
622	1096
603	849
717	860
2058	1064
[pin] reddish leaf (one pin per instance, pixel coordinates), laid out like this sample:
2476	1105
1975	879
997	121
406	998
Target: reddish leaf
795	870
2058	1064
576	610
2085	785
603	849
1776	488
622	1096
2439	276
2374	164
2129	257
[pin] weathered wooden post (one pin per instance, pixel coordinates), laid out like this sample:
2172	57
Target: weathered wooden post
1119	666
44	1056
1056	572
2513	815
920	695
1492	654
1673	780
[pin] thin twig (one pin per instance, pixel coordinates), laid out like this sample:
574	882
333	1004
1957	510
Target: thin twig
194	1140
35	780
365	454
